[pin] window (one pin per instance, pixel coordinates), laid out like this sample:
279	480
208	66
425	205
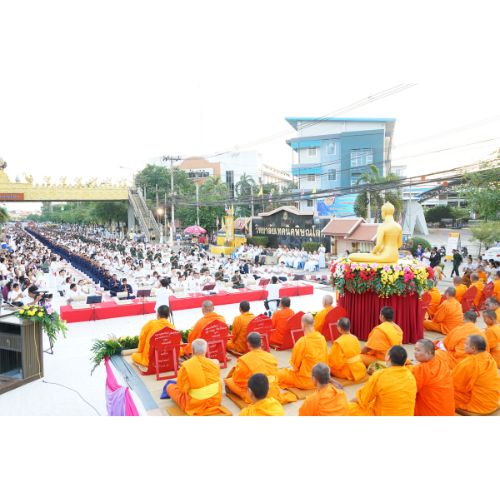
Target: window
332	174
361	157
311	177
331	148
310	203
312	151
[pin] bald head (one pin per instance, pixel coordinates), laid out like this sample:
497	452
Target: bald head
199	347
457	280
474	277
254	340
307	322
450	292
327	300
207	306
424	350
321	374
492	303
475	344
470	316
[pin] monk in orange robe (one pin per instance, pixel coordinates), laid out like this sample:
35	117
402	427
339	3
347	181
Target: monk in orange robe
256	361
476	379
262	404
496	286
382	338
327	400
198	390
447	316
435	301
309	350
435	396
492	304
482	274
141	357
390	391
479	284
460	288
238	341
452	347
280	319
492	333
319	319
345	356
209	315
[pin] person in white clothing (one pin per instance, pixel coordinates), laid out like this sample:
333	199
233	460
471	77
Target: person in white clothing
163	294
273	296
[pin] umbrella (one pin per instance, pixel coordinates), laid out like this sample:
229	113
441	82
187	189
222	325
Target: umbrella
194	230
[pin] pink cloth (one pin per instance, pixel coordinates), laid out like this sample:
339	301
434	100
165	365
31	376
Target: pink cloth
119	402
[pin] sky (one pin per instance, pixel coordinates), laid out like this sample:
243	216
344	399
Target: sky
89	87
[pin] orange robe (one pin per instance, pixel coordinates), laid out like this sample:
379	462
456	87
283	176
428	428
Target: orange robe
435	301
380	340
267	407
195	333
198	390
477	384
459	291
325	402
448	315
389	392
345	358
496	290
493	335
454	343
257	361
319	319
497	312
141	357
308	351
280	319
435	395
238	342
482	276
480	287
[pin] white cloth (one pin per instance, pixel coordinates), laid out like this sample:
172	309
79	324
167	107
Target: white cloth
162	297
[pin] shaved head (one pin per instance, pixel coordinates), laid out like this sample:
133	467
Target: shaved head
207	306
254	340
450	292
321	373
457	280
327	300
470	316
477	343
427	345
307	320
199	347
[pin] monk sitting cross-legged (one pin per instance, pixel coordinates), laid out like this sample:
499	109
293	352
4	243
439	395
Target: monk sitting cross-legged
141	357
262	404
256	361
492	333
309	350
476	379
207	308
319	319
479	284
238	341
345	356
198	390
435	300
327	400
447	316
279	319
434	382
452	347
460	288
390	391
382	338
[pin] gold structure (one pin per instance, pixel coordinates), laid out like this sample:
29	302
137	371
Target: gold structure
92	190
227	241
389	240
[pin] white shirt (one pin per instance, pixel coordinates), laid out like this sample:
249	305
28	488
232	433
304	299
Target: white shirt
273	290
162	297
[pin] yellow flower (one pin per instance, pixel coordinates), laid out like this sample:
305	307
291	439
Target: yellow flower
40	314
31	313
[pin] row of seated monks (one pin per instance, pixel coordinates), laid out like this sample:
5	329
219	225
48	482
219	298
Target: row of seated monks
438	385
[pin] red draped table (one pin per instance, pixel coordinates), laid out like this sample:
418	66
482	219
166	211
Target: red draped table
363	309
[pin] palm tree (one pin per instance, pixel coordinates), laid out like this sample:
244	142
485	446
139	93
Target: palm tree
366	199
245	186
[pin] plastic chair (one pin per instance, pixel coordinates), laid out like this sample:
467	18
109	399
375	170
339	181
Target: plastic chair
264	281
292	334
330	331
486	294
263	325
468	298
164	347
215	333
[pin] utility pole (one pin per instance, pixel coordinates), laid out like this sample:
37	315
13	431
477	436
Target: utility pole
251	194
197	204
172	223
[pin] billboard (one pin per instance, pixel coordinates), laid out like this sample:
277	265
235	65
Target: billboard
336	206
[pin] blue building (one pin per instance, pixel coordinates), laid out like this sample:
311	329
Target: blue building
332	153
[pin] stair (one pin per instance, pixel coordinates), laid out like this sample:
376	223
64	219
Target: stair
143	215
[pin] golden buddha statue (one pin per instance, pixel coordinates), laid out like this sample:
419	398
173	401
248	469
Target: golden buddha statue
389	239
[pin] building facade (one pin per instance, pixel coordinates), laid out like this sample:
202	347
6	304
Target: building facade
332	153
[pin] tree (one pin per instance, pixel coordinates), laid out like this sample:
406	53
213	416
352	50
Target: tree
486	233
245	189
375	199
438	213
4	215
482	190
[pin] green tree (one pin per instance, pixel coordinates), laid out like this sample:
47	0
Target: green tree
375	199
486	233
438	213
482	190
245	189
4	215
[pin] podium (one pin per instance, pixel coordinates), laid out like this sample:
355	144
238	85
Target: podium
21	352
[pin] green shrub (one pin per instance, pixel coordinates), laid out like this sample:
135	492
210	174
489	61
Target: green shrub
417	240
311	246
258	240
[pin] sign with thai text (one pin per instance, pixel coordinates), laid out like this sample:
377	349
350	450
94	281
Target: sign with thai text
11	196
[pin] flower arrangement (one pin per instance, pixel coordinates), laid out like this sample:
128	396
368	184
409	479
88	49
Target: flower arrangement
51	322
404	278
101	349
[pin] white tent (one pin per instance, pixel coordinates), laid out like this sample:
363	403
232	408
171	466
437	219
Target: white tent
414	219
